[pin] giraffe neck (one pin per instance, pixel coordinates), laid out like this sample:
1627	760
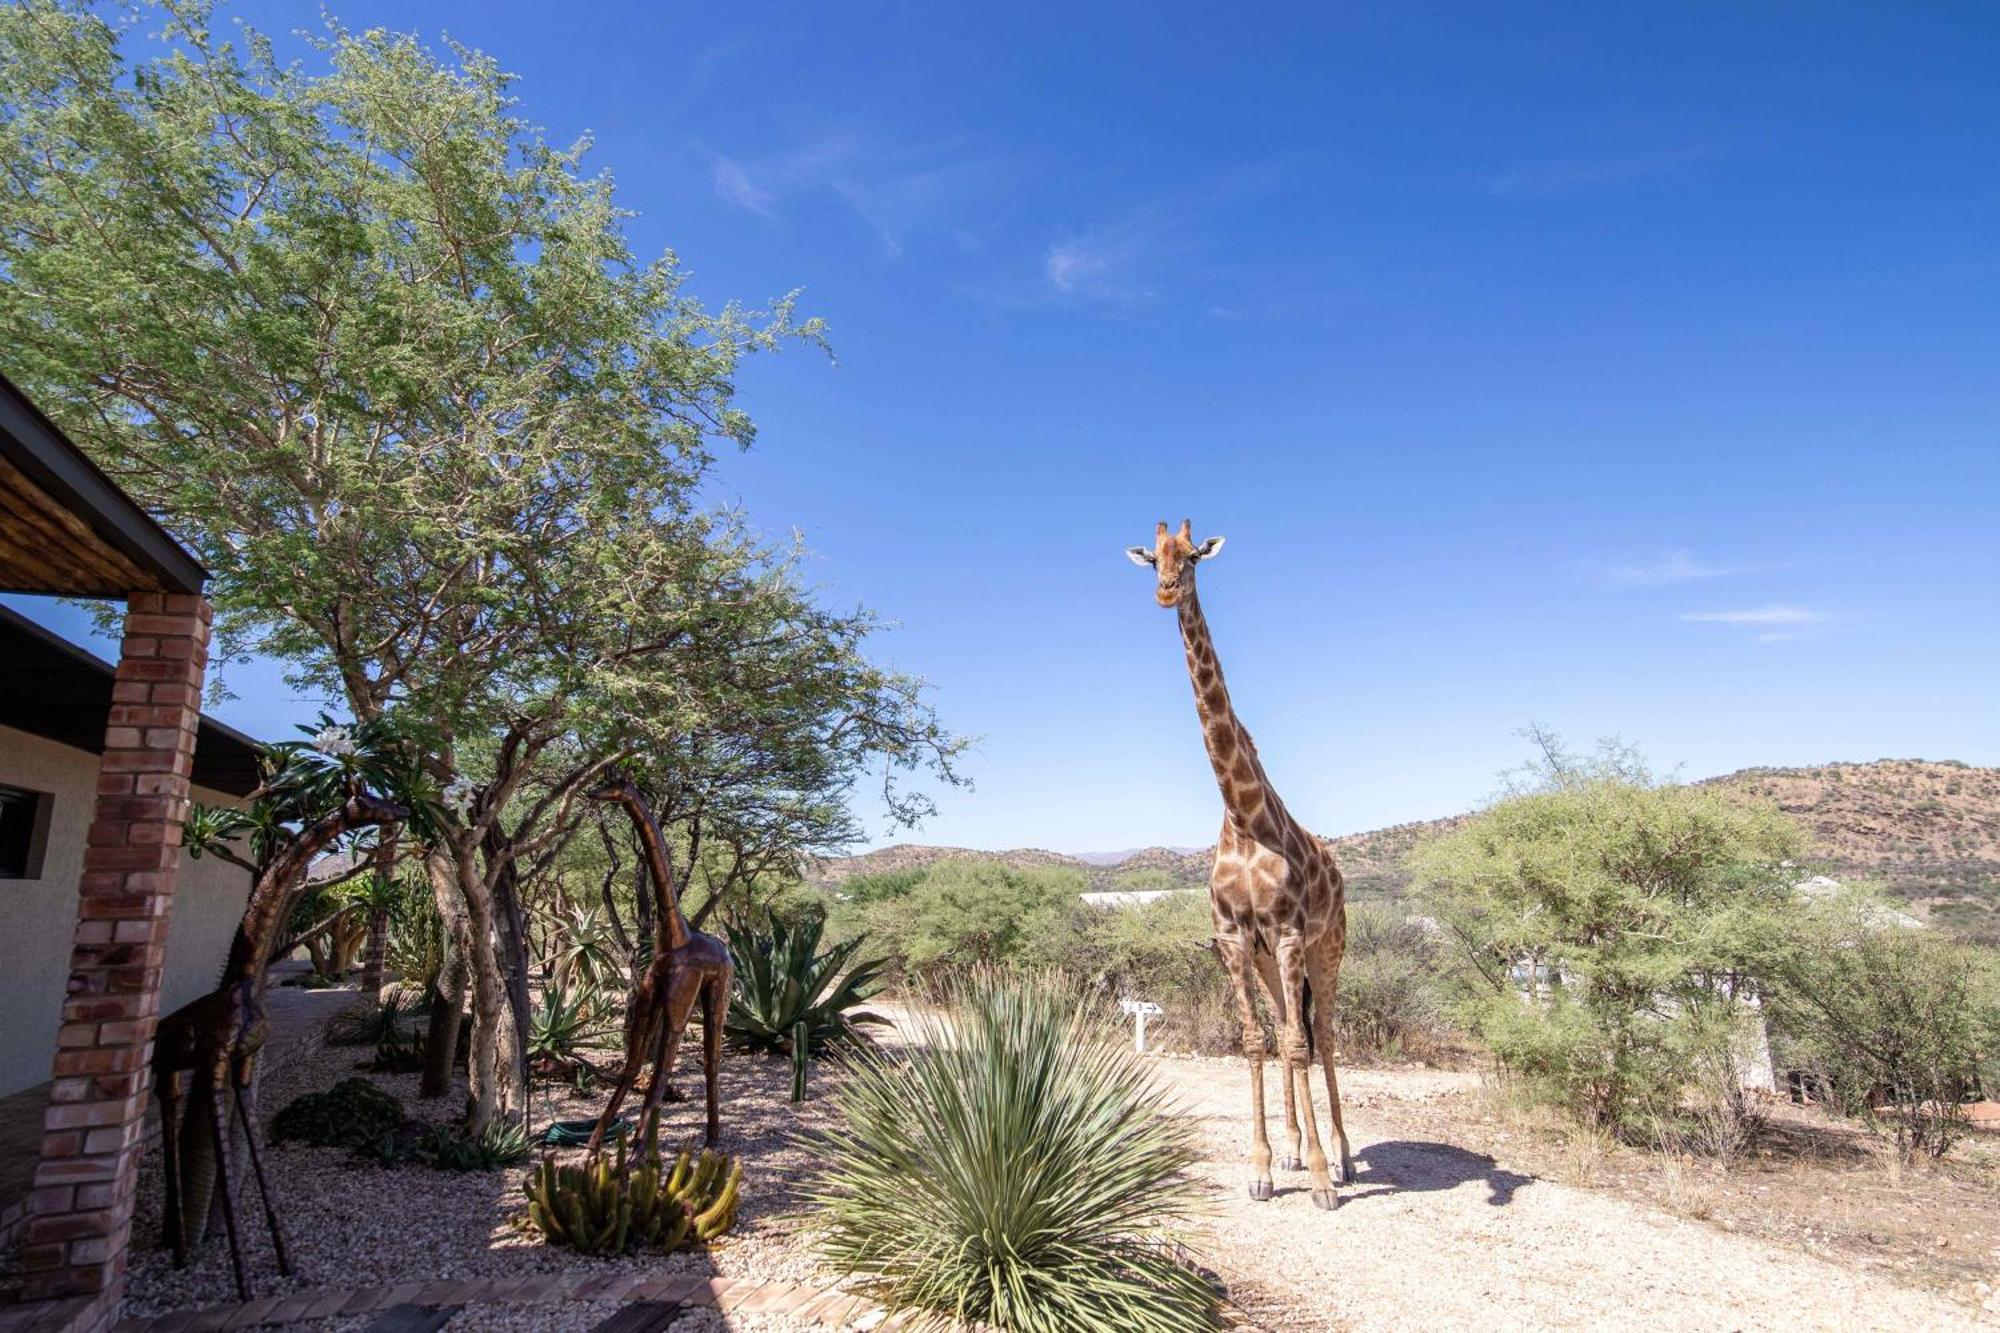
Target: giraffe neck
1246	793
670	926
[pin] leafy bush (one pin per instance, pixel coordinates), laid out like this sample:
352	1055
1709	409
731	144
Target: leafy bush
966	912
353	1113
448	1148
1392	999
1890	1020
1611	922
783	979
1013	1166
613	1204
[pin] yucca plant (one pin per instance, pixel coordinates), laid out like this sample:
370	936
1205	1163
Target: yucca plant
1014	1165
784	979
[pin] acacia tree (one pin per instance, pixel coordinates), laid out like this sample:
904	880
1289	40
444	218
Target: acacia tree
384	358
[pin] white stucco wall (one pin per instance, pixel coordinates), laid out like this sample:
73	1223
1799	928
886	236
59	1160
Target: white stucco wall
38	916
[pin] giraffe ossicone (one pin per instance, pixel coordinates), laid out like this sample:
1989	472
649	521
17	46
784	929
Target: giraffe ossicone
1275	893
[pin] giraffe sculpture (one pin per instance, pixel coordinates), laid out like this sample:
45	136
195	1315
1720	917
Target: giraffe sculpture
217	1038
686	965
1275	893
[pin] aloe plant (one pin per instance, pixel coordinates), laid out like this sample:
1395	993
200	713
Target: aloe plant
560	1024
613	1203
1013	1166
785	980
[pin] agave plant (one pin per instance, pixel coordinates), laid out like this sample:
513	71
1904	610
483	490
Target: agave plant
784	980
1014	1166
587	951
560	1024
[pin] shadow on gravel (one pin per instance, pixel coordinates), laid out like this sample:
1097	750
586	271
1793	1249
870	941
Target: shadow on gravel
1401	1166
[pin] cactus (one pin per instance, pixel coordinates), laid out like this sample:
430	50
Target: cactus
801	1052
622	1202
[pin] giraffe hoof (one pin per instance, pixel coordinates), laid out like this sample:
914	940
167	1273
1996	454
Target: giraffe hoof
1327	1200
1261	1190
1290	1164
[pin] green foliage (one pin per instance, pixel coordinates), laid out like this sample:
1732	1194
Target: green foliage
561	1023
785	982
1393	998
354	1113
367	1024
612	1204
586	950
448	1148
968	911
881	887
1891	1020
1015	1166
1610	920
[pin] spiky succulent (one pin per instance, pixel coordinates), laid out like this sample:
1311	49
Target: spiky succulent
615	1203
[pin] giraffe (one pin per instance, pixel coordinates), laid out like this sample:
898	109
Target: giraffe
218	1037
686	964
1275	894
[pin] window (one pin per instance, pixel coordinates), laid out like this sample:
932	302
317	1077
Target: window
24	832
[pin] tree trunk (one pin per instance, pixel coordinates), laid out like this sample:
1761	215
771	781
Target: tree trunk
485	1081
374	958
448	995
511	935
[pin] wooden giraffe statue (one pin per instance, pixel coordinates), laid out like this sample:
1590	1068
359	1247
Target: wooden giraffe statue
686	965
1275	893
217	1039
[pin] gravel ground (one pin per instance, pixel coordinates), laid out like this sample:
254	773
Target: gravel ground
1431	1236
353	1224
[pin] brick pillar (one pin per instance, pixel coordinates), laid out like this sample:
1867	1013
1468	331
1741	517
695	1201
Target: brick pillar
81	1215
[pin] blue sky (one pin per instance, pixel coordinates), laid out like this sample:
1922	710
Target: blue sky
1631	372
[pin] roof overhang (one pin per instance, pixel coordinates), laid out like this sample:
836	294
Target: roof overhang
66	528
53	689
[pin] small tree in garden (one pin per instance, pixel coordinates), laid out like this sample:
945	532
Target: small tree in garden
1013	1166
1892	1020
1611	921
383	357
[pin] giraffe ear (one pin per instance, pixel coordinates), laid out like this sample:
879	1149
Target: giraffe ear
1208	549
1139	555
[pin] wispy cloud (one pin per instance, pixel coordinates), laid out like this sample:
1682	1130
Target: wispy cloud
1562	175
1761	615
1669	567
897	189
735	185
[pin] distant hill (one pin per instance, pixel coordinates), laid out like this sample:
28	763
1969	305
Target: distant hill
1928	831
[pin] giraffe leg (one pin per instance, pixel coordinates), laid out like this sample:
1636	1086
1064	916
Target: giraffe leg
1298	1059
1267	969
1235	951
218	1119
1323	967
637	1038
666	1046
172	1094
246	1111
714	1003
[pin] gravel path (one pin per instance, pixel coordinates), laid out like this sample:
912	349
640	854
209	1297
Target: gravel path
353	1224
1430	1236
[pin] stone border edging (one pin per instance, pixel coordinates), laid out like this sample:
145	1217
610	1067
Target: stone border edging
815	1304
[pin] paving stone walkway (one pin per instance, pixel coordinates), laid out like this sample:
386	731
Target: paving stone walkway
400	1306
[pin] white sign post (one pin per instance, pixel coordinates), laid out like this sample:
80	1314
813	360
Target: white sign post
1140	1011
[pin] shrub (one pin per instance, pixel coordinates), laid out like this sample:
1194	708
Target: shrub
1013	1166
784	979
1392	998
448	1148
353	1113
614	1203
1611	922
1890	1020
968	912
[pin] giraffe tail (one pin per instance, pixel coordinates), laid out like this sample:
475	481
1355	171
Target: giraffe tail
1306	1012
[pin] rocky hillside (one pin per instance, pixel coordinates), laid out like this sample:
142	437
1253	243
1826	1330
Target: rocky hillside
1929	831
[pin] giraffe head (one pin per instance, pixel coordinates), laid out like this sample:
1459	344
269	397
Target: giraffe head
1172	556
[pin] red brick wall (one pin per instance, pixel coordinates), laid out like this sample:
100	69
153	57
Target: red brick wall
81	1210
